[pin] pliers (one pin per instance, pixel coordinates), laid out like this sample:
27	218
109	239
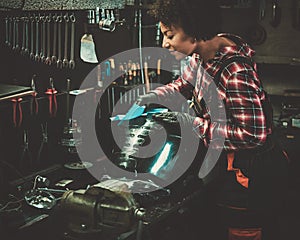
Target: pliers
43	143
26	154
17	105
51	92
34	107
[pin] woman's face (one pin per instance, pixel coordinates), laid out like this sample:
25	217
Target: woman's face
177	41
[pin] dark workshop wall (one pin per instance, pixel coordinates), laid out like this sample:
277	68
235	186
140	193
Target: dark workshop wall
17	68
276	45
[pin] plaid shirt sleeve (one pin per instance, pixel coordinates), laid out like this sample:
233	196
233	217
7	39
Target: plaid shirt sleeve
245	125
184	84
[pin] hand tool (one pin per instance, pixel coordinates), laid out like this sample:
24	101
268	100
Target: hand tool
68	101
55	20
125	74
158	70
14	33
26	154
34	107
17	47
48	60
97	14
59	62
147	82
98	90
22	51
10	31
91	16
72	61
51	92
112	97
43	143
26	50
262	9
6	31
157	37
133	67
17	105
37	22
65	60
43	40
34	220
121	97
32	56
105	75
276	13
138	73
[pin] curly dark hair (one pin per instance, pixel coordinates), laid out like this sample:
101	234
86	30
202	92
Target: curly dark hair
200	19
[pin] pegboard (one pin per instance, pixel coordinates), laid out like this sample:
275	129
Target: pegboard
61	4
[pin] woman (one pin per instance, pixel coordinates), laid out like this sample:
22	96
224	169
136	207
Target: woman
191	28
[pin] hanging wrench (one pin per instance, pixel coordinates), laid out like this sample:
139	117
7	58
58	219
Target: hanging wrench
48	59
14	33
17	47
9	31
72	61
43	41
65	60
32	18
59	61
55	20
37	21
26	50
23	36
6	31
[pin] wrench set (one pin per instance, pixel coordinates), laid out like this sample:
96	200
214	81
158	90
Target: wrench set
46	38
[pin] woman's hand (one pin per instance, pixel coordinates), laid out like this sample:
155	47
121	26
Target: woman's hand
175	121
146	99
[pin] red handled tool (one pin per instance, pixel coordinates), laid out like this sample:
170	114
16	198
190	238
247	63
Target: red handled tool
17	111
34	107
51	92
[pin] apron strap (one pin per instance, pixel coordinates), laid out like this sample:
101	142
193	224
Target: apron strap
240	177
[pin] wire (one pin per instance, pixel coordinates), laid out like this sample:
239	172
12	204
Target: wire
2	209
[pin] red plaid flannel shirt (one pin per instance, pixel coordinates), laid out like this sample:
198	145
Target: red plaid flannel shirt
239	89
